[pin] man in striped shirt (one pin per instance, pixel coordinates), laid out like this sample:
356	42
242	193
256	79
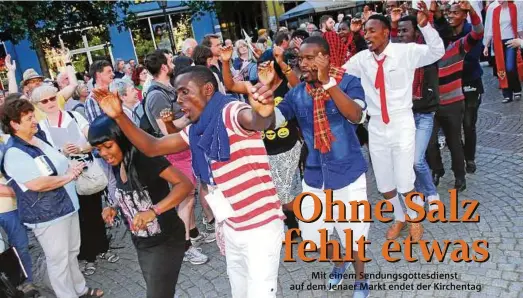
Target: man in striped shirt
452	106
229	154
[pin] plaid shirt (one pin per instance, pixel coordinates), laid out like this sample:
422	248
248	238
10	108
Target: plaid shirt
92	109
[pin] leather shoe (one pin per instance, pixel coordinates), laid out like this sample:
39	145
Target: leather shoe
394	231
460	184
436	175
470	167
416	231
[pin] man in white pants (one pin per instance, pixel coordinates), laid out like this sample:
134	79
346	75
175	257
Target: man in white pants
387	71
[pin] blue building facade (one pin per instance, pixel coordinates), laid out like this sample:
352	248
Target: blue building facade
121	45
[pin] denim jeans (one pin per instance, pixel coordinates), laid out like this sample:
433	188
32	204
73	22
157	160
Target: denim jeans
514	86
17	237
424	126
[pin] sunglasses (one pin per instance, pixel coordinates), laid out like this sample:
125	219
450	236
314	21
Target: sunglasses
50	99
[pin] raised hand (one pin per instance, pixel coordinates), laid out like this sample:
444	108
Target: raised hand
423	14
261	99
297	42
322	64
356	25
167	115
226	53
277	52
465	5
109	102
395	14
11	65
67	56
266	73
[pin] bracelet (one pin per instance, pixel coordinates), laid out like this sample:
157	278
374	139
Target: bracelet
156	210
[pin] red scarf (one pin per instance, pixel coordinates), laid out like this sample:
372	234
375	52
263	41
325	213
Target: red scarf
336	52
498	43
417	84
323	136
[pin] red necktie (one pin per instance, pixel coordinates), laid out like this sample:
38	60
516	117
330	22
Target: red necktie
380	84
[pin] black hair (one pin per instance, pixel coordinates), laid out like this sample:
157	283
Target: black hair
347	19
319	41
201	75
155	60
383	19
180	63
411	19
300	33
280	38
200	55
104	129
98	67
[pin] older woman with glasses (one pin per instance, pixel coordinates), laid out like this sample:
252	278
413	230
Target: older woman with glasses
67	132
43	181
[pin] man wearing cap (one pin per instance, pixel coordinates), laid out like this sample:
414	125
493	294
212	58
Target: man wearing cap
32	80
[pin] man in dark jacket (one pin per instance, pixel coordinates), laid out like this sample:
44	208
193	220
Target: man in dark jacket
425	103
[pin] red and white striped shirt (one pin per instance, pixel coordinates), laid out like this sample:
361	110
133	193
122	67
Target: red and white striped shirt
245	179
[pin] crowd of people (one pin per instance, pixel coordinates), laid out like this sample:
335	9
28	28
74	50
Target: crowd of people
243	128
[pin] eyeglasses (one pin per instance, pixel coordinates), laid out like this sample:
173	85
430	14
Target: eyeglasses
50	99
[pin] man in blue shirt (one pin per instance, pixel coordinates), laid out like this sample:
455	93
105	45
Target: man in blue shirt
328	106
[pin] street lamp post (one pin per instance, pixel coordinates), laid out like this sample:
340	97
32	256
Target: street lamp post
163	5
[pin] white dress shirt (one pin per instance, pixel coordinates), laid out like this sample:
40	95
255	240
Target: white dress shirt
399	67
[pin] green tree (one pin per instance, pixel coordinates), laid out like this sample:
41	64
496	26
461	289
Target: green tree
198	8
44	22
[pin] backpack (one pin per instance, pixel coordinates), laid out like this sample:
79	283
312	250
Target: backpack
145	124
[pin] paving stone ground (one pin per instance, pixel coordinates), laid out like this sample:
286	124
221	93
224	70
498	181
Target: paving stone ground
497	185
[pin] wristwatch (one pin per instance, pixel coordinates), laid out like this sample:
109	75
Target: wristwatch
332	82
156	210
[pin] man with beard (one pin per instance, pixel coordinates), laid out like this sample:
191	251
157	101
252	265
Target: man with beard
328	105
425	95
162	96
337	50
450	113
389	68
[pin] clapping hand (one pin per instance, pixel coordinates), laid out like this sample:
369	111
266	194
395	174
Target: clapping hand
322	64
109	102
266	72
261	99
226	53
423	14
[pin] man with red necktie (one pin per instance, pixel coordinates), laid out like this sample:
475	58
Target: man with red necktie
386	71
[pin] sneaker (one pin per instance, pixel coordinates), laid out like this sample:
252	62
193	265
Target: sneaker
361	289
195	256
517	95
442	142
203	238
336	276
209	227
433	199
507	100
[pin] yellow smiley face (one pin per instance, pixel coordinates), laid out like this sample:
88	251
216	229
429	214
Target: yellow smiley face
277	100
270	134
283	132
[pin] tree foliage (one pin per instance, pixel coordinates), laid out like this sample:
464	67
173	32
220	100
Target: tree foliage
198	8
44	21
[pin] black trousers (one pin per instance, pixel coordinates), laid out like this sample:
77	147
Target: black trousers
473	92
161	265
449	118
92	227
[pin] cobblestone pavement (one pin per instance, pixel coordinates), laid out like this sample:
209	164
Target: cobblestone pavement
497	185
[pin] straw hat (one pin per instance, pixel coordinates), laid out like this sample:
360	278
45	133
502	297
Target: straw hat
30	74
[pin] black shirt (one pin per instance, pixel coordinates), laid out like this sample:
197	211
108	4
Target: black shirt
154	189
284	138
